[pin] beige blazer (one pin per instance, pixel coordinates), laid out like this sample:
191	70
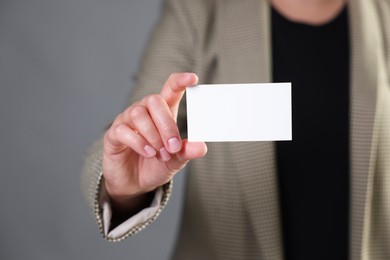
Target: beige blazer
231	207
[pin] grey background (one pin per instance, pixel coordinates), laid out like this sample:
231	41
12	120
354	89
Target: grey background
65	72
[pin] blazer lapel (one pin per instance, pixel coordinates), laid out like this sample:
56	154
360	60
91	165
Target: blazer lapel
245	58
365	51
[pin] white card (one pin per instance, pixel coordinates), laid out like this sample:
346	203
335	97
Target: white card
239	112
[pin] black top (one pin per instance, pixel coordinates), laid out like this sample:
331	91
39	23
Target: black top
314	168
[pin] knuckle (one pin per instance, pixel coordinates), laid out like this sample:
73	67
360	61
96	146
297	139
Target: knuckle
112	132
154	99
172	76
117	130
110	138
137	112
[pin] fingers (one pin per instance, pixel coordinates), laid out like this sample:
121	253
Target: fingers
121	136
175	87
139	119
164	122
153	119
149	126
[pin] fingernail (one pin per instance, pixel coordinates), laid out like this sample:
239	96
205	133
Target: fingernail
149	151
165	156
174	144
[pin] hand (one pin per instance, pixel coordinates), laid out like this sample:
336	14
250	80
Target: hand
142	149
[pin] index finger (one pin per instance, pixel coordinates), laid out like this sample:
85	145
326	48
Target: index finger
175	86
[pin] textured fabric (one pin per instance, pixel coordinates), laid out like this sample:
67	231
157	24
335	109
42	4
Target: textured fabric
123	228
231	209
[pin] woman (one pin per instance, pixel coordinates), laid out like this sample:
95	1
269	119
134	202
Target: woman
321	196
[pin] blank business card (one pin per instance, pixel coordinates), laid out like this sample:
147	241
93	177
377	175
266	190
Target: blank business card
239	112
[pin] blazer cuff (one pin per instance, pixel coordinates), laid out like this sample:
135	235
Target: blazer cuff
134	224
130	223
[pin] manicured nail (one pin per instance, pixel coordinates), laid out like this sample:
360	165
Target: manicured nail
149	151
165	156
174	145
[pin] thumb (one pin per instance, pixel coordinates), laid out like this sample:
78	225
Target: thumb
189	151
174	88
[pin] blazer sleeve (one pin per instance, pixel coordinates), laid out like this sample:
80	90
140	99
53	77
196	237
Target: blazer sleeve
171	49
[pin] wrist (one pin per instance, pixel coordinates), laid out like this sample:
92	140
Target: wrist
124	207
127	202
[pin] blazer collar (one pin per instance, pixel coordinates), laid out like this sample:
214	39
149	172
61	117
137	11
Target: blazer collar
366	54
245	57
